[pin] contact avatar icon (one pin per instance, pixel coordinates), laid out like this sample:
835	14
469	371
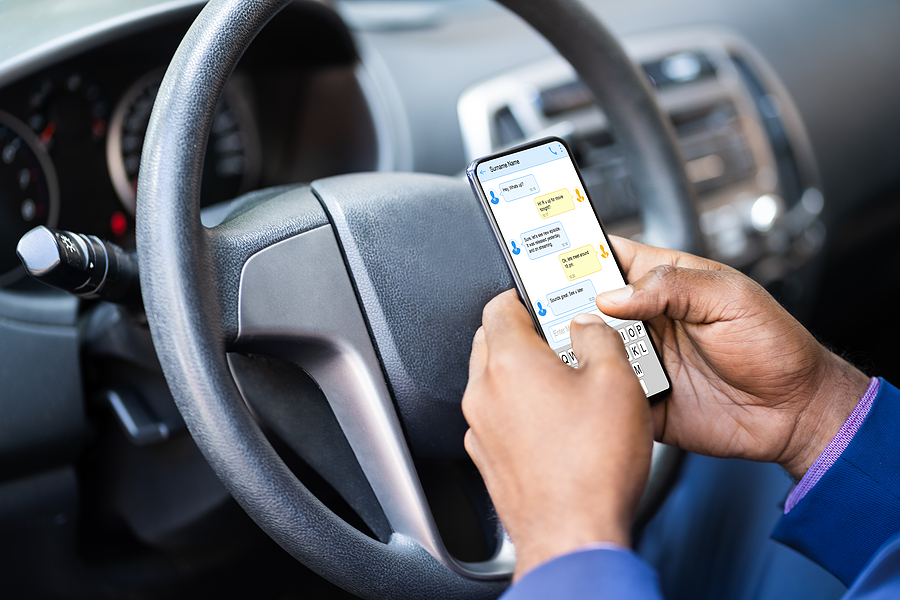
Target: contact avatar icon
541	310
515	249
494	199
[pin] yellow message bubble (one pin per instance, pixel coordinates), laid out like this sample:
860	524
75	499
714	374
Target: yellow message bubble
550	205
580	262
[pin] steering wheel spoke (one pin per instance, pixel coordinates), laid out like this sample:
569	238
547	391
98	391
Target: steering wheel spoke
296	302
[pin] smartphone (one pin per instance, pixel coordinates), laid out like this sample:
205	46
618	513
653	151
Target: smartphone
557	251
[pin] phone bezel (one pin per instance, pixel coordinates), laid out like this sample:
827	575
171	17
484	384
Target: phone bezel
471	174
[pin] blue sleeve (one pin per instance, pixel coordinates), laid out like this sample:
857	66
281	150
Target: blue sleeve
881	578
854	509
595	574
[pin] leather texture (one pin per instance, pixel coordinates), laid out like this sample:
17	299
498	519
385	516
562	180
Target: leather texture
424	263
189	303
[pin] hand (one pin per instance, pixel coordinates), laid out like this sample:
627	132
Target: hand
749	381
565	453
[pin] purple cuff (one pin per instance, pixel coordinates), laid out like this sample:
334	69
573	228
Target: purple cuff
835	448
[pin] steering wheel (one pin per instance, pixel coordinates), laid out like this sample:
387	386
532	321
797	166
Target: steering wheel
349	278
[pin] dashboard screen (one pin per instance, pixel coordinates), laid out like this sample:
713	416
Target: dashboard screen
558	250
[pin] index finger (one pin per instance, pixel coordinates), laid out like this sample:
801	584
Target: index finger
508	325
637	259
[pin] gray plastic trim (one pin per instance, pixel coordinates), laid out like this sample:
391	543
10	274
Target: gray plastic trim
65	31
139	427
306	311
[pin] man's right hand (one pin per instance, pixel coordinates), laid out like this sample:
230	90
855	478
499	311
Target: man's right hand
749	381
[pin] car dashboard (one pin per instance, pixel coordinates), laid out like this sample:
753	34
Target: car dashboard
73	131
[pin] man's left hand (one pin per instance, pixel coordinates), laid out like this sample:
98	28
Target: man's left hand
565	452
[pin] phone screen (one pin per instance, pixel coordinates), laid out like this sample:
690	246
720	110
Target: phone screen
557	250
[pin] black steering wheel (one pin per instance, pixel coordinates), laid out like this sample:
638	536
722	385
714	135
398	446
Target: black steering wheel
345	278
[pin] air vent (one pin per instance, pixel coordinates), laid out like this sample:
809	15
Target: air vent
565	98
714	147
675	69
507	128
712	142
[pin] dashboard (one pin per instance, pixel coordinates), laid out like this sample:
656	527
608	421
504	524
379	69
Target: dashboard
71	134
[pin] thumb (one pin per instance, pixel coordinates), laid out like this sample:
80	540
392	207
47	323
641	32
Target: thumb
594	342
691	295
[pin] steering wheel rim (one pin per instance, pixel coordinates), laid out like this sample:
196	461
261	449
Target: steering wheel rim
188	316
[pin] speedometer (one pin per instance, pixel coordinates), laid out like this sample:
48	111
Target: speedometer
29	192
232	161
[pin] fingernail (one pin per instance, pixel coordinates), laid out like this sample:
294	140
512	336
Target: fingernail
587	319
618	296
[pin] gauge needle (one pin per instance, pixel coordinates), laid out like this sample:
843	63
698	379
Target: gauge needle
48	132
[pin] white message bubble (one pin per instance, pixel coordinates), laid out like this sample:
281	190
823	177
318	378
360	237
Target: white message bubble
526	185
545	240
572	297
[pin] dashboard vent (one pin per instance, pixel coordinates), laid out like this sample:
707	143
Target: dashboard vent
565	98
676	69
713	145
507	128
712	142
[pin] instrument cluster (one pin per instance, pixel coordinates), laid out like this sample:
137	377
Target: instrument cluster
72	133
70	151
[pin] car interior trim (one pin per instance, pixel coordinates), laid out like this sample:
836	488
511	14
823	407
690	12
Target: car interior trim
329	340
66	36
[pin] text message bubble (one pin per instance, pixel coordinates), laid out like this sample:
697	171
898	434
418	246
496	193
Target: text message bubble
572	297
545	240
550	205
526	185
580	262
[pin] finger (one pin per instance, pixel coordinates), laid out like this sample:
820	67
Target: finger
507	324
659	414
691	295
473	449
637	259
478	358
594	342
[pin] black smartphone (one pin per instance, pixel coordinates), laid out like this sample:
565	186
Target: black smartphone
557	251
